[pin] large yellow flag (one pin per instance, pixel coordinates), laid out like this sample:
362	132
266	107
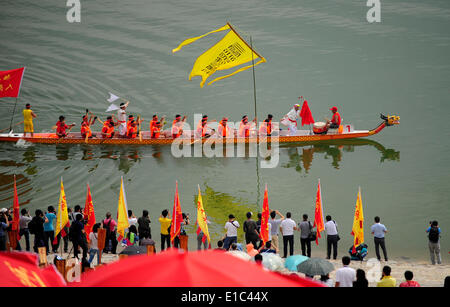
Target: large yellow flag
358	222
201	217
62	217
229	52
122	212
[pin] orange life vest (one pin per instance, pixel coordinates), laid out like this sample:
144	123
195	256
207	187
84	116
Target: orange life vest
176	130
223	129
155	132
153	123
131	132
86	130
108	130
244	129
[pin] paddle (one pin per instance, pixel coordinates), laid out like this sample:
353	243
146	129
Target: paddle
139	123
12	126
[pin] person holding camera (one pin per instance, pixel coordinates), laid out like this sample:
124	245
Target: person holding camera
434	233
4	224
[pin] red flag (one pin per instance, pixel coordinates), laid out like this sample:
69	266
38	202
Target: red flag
177	216
16	217
89	213
305	113
318	214
10	82
264	234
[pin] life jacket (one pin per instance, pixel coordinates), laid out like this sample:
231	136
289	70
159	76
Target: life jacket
223	129
129	122
336	119
202	129
244	129
269	127
86	130
264	129
108	129
176	130
131	132
152	123
61	128
155	132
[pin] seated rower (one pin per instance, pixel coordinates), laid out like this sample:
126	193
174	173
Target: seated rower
203	131
130	118
335	120
266	127
223	130
86	126
155	131
177	126
155	120
61	127
132	130
245	127
108	128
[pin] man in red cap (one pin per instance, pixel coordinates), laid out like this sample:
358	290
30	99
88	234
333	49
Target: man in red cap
335	120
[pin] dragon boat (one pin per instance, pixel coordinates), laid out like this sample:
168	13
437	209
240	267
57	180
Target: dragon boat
302	136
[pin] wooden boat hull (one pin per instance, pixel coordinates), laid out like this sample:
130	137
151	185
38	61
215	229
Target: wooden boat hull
304	137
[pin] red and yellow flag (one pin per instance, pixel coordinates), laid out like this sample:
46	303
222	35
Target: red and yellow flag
62	217
10	82
89	213
264	234
201	219
358	222
318	214
122	212
177	216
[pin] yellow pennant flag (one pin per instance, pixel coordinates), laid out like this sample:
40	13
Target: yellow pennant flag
62	217
358	222
122	212
201	217
229	52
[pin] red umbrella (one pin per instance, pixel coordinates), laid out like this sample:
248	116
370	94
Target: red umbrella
305	113
173	268
20	269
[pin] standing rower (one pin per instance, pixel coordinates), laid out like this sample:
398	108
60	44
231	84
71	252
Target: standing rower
28	116
290	119
177	126
122	119
61	127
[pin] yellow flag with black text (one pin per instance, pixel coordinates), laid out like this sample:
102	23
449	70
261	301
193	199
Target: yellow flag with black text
229	52
358	222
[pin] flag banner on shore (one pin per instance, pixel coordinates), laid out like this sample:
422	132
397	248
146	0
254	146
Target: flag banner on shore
62	217
16	210
88	213
358	223
10	82
177	216
306	115
318	214
122	212
201	219
229	52
264	234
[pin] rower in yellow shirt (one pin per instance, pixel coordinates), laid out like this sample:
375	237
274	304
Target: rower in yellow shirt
28	116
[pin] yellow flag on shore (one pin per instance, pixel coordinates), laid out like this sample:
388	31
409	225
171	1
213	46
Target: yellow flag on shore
229	52
358	222
122	212
201	217
62	217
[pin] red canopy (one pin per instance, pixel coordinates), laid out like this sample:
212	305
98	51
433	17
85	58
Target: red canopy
174	268
305	113
20	269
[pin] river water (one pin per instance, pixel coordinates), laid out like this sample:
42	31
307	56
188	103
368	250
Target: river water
323	50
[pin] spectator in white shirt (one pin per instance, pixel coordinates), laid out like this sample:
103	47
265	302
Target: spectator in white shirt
275	227
332	237
287	228
231	237
345	276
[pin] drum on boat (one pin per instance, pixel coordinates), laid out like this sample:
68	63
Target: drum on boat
319	128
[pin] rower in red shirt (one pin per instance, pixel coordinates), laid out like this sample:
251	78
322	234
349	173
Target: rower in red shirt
108	128
86	126
155	130
223	129
61	127
155	120
245	127
132	129
335	120
177	126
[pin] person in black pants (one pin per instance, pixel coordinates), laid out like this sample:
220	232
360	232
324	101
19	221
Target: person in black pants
305	231
288	226
38	222
251	231
79	237
332	237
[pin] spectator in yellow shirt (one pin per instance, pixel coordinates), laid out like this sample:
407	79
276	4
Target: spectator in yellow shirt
387	280
28	116
165	224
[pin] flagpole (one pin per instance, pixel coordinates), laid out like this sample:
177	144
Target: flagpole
12	117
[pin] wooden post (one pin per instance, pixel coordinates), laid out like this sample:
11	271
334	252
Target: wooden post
184	242
42	256
101	233
150	250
